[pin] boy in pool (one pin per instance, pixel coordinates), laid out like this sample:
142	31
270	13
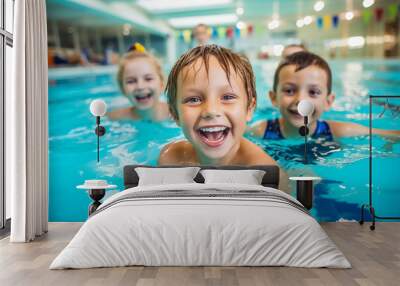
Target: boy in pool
293	48
141	80
211	94
304	75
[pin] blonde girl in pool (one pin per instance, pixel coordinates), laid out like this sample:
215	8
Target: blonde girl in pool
141	80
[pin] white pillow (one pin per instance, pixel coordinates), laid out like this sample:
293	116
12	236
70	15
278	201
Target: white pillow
249	177
163	176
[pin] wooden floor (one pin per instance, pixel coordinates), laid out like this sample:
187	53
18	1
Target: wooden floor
374	255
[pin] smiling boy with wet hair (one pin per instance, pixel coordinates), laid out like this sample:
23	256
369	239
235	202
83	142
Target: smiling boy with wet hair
211	95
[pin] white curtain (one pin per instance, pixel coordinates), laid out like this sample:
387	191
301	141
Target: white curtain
26	124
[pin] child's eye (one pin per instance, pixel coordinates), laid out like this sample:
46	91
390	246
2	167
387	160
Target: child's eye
288	91
314	92
130	81
228	97
192	100
148	79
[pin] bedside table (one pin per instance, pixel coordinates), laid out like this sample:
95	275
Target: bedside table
96	190
304	190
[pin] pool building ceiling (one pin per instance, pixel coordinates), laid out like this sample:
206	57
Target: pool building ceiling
160	16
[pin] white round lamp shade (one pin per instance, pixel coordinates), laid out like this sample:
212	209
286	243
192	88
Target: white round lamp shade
305	107
98	107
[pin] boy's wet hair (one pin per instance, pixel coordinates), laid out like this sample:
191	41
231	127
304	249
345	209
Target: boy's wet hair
229	62
303	60
136	54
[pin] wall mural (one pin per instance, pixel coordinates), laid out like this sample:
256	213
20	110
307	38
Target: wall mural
215	107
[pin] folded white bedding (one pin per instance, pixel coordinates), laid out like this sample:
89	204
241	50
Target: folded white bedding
200	224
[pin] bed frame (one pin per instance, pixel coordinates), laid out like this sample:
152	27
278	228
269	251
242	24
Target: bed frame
270	179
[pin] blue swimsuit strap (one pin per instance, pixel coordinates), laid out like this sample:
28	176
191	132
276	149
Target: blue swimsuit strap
273	130
323	130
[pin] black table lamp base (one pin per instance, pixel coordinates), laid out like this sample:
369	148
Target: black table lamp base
304	192
96	195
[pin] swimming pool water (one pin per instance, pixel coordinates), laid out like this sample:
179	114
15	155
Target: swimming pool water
343	166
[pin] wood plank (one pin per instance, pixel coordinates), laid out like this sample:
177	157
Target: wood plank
374	255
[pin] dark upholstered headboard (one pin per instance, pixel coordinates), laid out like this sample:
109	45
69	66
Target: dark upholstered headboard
270	179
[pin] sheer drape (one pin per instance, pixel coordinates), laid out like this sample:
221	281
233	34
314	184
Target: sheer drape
26	124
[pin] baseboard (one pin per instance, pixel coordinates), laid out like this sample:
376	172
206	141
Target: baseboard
5	231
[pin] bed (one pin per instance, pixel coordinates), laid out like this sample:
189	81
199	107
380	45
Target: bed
201	223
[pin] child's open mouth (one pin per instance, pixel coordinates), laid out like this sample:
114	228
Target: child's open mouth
213	136
143	98
295	113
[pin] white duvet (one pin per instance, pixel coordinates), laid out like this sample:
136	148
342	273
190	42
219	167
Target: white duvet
190	230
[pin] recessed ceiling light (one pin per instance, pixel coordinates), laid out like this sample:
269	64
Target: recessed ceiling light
349	15
239	11
307	20
300	23
273	24
319	5
368	3
241	25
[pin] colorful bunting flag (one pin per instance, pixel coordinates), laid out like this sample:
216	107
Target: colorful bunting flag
237	32
259	29
214	34
229	32
221	32
187	36
392	12
250	29
335	21
367	15
327	22
320	22
378	14
243	32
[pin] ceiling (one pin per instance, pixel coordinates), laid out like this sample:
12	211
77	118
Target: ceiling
254	10
104	14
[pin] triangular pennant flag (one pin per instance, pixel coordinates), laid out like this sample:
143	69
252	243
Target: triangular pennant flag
259	29
237	32
367	15
250	29
327	21
221	32
187	36
392	12
229	32
320	22
335	21
214	33
243	32
378	14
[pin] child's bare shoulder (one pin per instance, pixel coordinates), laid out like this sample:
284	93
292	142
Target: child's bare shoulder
163	111
257	129
254	155
177	152
345	129
122	113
